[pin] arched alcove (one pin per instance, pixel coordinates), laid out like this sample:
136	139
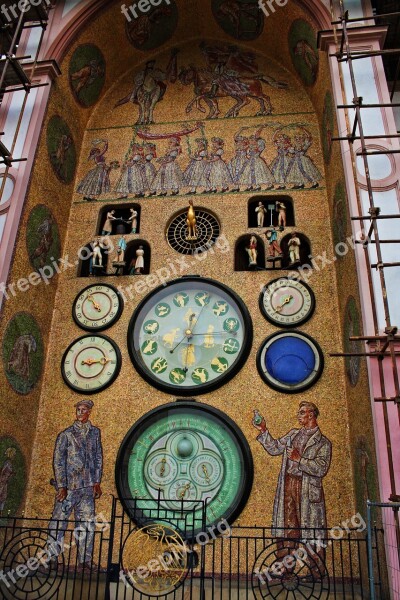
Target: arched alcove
272	204
85	254
130	257
122	213
242	258
304	250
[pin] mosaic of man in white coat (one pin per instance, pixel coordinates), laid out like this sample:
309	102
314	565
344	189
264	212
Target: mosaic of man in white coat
299	507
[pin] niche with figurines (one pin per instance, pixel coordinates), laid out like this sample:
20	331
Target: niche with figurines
249	253
119	220
137	258
296	250
94	257
270	211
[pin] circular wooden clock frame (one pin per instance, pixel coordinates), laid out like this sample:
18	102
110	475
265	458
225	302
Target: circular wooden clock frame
115	318
182	408
291	283
209	385
283	387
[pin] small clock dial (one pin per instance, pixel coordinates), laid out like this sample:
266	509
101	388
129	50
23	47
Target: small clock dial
97	307
91	363
290	362
190	336
185	455
287	302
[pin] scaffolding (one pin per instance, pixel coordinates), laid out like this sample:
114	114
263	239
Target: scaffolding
17	72
386	344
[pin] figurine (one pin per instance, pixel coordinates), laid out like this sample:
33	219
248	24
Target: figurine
294	248
121	249
274	250
252	251
96	260
191	223
107	227
138	266
261	211
133	220
280	207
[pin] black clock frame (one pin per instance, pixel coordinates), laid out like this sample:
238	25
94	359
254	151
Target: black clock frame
204	388
286	325
181	406
300	387
108	325
118	357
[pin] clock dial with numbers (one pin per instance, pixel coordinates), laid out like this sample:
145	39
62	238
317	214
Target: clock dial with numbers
184	454
91	363
97	307
190	336
287	302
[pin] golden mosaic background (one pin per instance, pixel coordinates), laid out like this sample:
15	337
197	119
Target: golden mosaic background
36	419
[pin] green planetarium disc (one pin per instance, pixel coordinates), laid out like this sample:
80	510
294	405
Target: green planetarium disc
186	451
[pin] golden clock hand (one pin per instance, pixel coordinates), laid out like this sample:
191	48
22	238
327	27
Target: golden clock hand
91	361
286	301
206	475
95	304
185	368
185	489
163	461
189	330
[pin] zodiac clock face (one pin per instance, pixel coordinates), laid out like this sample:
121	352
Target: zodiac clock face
287	302
97	307
91	363
190	336
184	456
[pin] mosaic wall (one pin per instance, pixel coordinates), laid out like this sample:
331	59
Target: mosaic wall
217	124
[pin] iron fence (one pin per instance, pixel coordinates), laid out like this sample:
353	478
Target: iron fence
229	563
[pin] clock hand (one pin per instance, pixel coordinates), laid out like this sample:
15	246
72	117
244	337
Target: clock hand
178	344
286	301
163	461
91	361
206	475
95	304
182	494
185	368
200	313
213	333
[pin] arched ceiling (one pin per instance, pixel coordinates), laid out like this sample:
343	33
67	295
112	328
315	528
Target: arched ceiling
102	22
